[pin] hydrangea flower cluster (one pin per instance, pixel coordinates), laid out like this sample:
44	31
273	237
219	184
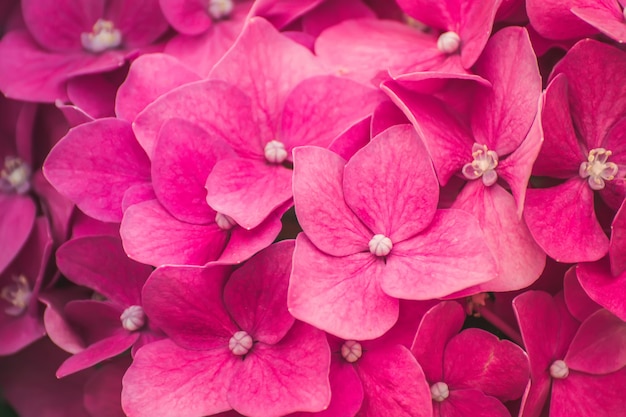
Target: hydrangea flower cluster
332	208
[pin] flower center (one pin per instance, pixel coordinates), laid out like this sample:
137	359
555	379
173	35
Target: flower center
102	37
275	152
351	351
380	245
596	169
439	391
15	175
484	165
559	369
17	294
133	318
224	222
448	42
241	343
220	9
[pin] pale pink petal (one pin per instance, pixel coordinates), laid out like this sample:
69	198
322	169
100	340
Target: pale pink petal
186	303
186	383
391	186
563	222
322	212
256	294
289	376
94	165
183	158
149	77
393	381
340	295
598	347
152	236
448	256
519	259
437	327
248	190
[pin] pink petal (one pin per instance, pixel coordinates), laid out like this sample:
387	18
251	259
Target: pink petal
190	17
340	295
267	82
16	223
436	262
578	302
478	359
598	347
448	140
186	303
187	383
466	402
141	21
320	108
219	108
555	20
103	389
59	330
94	165
386	115
97	352
149	77
290	376
136	194
100	263
152	236
563	222
586	395
536	396
332	12
93	93
248	190
604	288
350	141
560	155
58	209
437	327
318	197
609	21
380	181
507	110
256	294
281	12
184	156
519	259
595	101
393	381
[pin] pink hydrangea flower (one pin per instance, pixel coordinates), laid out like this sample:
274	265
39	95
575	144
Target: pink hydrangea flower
373	234
233	344
585	145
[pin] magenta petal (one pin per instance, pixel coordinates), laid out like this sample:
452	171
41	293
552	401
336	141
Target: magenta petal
609	21
560	155
99	263
340	295
391	186
247	190
448	256
603	287
190	17
267	82
598	347
186	303
282	12
244	243
140	21
289	376
553	19
137	194
16	223
471	402
563	222
152	236
478	359
519	259
437	327
571	396
94	165
59	330
318	197
506	111
190	383
183	158
393	381
256	294
149	77
536	395
103	389
578	302
350	141
320	108
96	353
386	115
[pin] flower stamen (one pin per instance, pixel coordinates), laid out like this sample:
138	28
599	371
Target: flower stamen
15	175
597	169
484	165
102	37
17	294
220	9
